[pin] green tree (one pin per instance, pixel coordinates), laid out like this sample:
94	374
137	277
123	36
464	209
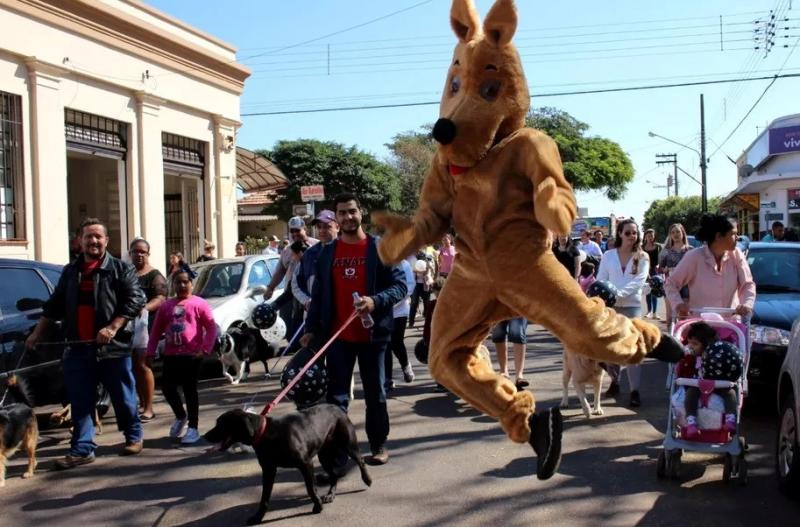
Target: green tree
684	210
338	168
412	154
590	162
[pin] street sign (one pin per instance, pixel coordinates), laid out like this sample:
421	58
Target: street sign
312	193
303	209
768	205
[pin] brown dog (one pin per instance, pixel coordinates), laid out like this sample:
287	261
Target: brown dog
65	415
18	428
582	371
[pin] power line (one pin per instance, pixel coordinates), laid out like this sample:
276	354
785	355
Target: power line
555	94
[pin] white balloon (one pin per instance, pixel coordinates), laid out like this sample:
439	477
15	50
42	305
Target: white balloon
420	266
276	333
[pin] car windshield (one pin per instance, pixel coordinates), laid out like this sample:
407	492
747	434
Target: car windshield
775	270
222	279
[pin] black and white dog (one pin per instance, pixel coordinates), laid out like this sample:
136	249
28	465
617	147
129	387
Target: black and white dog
238	347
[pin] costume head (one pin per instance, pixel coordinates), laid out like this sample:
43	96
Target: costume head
486	95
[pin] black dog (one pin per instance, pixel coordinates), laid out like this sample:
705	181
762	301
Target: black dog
18	428
292	441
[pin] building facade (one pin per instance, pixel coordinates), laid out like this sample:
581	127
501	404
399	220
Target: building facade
112	109
768	187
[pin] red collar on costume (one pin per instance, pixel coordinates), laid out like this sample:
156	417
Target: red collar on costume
261	432
456	170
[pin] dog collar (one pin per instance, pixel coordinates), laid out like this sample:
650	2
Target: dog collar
261	432
456	170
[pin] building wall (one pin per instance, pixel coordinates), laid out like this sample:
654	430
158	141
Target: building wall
53	69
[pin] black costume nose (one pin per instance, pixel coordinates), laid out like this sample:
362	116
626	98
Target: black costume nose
444	131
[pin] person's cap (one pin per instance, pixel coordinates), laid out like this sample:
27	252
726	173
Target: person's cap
273	238
296	222
325	216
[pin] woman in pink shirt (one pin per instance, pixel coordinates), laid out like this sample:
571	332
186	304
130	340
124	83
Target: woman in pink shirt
717	273
188	326
447	254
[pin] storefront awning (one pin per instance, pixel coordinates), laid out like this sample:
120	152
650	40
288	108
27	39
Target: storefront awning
256	217
256	172
746	202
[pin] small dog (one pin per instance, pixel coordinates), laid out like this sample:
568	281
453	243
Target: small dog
292	441
237	348
18	428
583	371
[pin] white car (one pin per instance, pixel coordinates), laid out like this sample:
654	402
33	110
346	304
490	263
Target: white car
234	286
787	452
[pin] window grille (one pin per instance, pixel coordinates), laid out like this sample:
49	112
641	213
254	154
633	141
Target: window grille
11	168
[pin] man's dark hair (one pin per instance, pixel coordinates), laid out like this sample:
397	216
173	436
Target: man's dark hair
777	224
702	333
93	221
299	247
344	197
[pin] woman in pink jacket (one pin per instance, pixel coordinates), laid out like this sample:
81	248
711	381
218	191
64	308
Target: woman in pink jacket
717	273
188	326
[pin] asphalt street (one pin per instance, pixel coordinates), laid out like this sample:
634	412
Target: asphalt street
449	465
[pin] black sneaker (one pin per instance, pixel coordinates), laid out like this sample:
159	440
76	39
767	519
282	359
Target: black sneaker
635	399
667	350
546	428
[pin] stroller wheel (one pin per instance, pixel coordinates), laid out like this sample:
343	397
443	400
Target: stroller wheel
674	464
661	465
727	468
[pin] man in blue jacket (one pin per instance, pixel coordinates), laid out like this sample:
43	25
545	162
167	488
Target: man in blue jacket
346	266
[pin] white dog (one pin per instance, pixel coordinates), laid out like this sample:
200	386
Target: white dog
583	371
231	361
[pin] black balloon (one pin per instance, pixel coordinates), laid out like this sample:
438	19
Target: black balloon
264	316
606	291
656	285
421	351
722	362
312	386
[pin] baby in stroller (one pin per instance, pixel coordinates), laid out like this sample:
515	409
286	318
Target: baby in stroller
710	359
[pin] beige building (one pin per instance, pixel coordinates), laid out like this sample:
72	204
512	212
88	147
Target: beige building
112	109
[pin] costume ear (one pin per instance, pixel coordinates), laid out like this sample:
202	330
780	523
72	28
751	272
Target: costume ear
464	19
501	22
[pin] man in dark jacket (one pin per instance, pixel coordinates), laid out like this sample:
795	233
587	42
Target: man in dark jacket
346	266
96	298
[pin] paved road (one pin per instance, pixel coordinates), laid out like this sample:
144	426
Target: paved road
449	466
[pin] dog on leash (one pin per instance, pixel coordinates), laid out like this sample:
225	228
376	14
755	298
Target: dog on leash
18	429
292	441
583	372
237	348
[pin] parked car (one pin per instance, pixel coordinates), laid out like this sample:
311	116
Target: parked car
234	286
694	242
24	287
776	272
787	449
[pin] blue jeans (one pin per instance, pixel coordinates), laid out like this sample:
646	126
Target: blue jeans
82	372
340	361
515	329
652	303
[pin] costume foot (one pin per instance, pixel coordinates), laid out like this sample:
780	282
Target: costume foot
667	350
546	428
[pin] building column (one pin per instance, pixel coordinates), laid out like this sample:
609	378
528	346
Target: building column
224	195
51	230
149	202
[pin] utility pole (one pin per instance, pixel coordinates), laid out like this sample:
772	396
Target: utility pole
704	195
666	159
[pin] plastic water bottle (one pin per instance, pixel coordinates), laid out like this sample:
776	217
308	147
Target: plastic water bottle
366	319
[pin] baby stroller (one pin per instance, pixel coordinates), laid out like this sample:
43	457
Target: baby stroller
713	439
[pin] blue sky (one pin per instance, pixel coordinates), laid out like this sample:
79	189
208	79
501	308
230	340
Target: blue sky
566	46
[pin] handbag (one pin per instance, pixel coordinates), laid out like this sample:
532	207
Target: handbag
140	331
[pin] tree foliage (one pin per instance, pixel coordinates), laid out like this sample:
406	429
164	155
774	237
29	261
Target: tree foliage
590	162
412	154
684	210
338	168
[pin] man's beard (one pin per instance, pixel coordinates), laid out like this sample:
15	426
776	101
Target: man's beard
351	227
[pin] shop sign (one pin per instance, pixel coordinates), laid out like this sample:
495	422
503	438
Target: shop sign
783	140
793	195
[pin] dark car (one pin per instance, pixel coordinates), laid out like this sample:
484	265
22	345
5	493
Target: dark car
776	272
24	286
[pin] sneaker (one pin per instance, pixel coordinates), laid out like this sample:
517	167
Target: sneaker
613	389
379	457
176	430
408	373
546	428
636	400
131	448
70	461
192	436
691	431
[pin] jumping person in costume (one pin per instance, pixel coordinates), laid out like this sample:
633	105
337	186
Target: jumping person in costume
502	187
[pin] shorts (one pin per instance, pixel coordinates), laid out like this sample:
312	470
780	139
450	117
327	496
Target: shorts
515	329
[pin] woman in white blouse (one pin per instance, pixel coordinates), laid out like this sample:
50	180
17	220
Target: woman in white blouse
626	266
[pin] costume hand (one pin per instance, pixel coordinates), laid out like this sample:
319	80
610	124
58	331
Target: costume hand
682	310
365	306
399	235
306	339
105	335
555	207
743	310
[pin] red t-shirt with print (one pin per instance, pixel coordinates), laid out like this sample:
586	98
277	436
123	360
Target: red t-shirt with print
86	318
349	276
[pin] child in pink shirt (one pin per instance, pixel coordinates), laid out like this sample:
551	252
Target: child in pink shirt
188	326
587	276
